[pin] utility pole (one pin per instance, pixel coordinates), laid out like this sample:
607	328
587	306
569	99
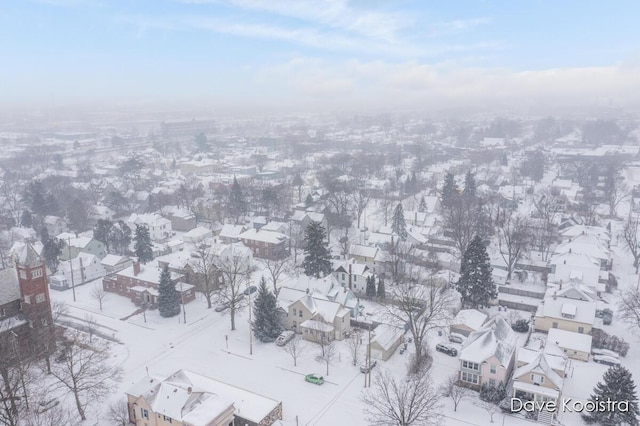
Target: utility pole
73	286
184	311
250	322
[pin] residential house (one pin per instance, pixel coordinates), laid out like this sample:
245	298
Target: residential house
385	341
329	288
55	225
160	229
313	315
181	219
190	399
353	276
140	284
72	246
487	356
231	233
266	244
467	321
570	308
574	345
374	257
77	271
115	263
197	235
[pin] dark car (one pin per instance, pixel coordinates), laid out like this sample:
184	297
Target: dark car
222	307
250	290
446	349
365	368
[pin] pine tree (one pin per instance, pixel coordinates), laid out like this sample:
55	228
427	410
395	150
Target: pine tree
237	203
469	186
168	297
298	182
317	259
103	232
398	224
449	190
617	385
381	291
142	244
266	325
371	287
26	220
423	205
476	284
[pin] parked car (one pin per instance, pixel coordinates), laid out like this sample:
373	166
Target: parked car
606	360
446	349
314	378
364	368
285	337
456	338
605	352
222	307
250	290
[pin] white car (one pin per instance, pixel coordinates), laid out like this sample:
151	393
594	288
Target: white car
456	338
605	352
285	337
606	360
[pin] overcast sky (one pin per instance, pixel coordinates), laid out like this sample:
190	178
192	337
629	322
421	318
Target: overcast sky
324	53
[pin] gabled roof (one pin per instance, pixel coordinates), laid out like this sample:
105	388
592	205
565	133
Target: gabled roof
9	286
540	365
495	338
472	318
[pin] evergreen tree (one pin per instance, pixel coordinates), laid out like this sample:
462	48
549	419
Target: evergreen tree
142	244
266	325
44	235
469	186
103	232
371	287
78	216
26	220
51	251
298	182
423	205
381	291
121	237
476	284
398	224
308	200
617	385
317	259
168	297
237	203
449	190
36	198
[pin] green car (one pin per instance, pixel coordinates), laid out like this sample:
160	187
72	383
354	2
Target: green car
314	378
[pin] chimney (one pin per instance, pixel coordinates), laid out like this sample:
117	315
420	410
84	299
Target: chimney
350	277
136	268
560	284
189	389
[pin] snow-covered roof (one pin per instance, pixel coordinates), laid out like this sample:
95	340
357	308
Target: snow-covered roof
386	335
495	338
263	236
540	364
231	231
472	318
113	260
149	273
317	325
362	251
568	309
570	340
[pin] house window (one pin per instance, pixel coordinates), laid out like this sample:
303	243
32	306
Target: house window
343	277
44	322
537	378
36	273
355	278
40	298
492	382
300	313
470	365
493	369
27	299
144	413
554	325
23	275
294	312
469	377
580	329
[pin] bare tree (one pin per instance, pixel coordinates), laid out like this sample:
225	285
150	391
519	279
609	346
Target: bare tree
452	389
353	342
203	262
464	221
91	326
119	413
616	190
629	306
58	309
53	415
276	268
421	307
98	294
296	235
385	207
295	347
514	238
328	353
86	370
631	237
413	401
490	408
547	208
361	201
11	190
15	378
236	273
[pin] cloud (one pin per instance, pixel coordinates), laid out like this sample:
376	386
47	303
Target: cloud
439	29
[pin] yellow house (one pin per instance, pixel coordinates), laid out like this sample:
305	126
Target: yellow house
570	309
189	399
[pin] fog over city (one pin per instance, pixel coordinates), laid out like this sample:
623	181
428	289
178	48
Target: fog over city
319	212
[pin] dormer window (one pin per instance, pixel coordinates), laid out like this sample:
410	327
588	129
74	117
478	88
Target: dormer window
537	379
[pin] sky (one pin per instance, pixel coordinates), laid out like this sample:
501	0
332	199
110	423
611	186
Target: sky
325	54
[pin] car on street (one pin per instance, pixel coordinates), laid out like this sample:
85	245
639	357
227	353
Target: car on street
446	349
606	360
365	368
316	379
285	337
222	307
250	290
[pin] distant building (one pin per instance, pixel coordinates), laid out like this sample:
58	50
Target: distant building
266	244
187	128
77	271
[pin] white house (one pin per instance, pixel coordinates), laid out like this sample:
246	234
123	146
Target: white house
77	271
159	228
